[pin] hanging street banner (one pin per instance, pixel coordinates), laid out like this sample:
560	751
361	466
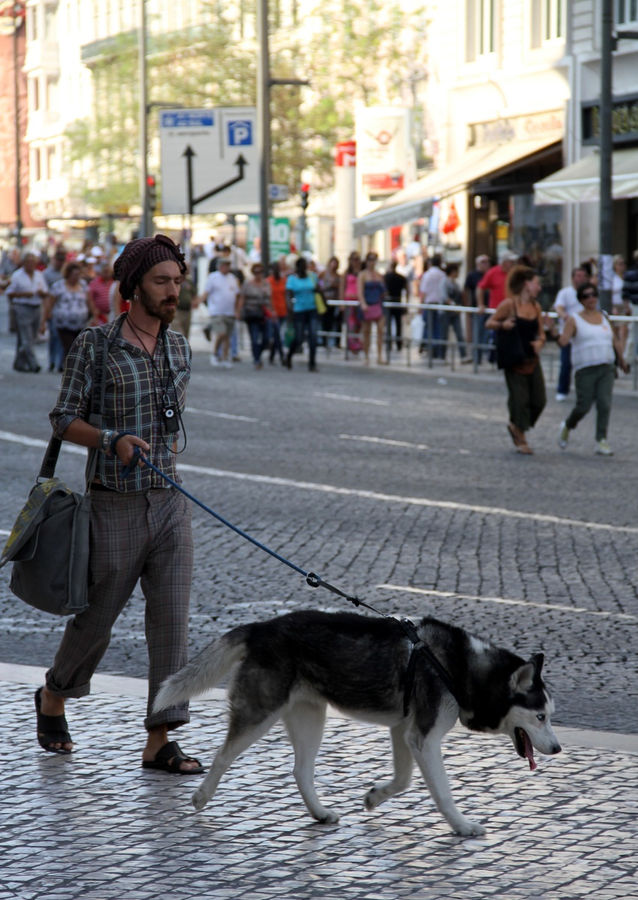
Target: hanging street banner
209	161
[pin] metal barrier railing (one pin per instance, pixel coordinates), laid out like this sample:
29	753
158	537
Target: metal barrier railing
428	345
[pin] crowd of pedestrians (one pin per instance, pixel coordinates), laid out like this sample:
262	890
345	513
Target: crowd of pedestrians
58	294
297	304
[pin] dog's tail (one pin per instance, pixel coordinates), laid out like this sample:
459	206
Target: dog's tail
203	672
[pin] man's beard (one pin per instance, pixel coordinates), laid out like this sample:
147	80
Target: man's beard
158	309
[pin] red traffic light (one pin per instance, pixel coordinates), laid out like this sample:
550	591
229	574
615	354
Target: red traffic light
305	188
150	180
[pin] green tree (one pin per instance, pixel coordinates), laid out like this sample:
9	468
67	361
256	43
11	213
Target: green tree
343	50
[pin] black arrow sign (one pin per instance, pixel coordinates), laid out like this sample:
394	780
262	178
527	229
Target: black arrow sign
189	153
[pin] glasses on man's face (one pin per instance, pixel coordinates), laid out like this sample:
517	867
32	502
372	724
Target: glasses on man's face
588	294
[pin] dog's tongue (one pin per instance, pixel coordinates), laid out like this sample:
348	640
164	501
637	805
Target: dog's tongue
529	751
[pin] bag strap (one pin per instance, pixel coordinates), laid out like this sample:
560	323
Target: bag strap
52	452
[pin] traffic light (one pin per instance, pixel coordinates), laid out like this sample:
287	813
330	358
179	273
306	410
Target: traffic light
151	193
305	190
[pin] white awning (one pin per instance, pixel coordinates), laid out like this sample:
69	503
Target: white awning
415	200
580	182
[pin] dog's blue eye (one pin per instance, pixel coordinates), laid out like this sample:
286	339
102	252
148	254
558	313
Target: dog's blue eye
541	717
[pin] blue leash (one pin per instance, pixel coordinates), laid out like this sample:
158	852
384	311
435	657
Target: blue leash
312	579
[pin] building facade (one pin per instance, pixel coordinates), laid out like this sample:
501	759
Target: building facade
496	102
574	189
14	156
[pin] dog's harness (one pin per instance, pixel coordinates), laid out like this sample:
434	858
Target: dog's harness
313	580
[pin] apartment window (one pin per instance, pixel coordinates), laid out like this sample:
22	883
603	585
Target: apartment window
35	94
35	164
51	162
50	19
480	25
52	95
32	23
548	21
626	12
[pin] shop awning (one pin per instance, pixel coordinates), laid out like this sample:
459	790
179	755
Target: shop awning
580	182
415	200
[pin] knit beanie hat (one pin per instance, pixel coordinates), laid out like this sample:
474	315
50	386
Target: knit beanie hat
141	255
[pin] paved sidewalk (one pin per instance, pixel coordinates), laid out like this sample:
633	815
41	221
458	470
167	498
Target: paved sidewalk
95	826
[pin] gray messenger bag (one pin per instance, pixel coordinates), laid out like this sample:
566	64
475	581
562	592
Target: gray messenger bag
49	543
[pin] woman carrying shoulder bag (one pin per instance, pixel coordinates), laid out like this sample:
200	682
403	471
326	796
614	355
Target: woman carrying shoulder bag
518	322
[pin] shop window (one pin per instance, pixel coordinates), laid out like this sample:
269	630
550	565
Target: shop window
536	232
480	27
548	21
626	12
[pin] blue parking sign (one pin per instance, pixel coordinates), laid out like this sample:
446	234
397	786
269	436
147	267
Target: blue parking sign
240	132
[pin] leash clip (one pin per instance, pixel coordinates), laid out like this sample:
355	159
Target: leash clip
313	580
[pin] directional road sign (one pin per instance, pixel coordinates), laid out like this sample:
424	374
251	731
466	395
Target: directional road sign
209	160
278	192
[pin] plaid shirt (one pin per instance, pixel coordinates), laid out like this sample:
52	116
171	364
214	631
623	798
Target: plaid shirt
133	399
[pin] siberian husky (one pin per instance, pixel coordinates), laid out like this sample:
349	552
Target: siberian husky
292	666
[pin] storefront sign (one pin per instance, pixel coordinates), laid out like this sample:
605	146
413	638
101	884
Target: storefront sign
385	156
346	154
624	121
517	128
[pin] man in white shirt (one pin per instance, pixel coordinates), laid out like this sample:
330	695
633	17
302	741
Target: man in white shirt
221	292
566	305
27	289
432	290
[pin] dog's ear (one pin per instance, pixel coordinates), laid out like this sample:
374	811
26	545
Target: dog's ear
522	680
538	659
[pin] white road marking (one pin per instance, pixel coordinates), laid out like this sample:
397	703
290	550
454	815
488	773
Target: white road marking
367	439
451	595
348	398
218	415
370	439
355	492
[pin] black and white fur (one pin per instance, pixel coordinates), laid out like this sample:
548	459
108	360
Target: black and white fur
292	666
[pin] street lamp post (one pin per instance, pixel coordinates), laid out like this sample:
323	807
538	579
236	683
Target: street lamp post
146	223
264	83
606	145
609	42
263	131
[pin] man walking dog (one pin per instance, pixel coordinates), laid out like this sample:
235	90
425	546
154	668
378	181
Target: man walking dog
140	529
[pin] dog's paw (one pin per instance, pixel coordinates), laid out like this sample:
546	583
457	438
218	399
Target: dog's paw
199	800
466	828
373	798
328	818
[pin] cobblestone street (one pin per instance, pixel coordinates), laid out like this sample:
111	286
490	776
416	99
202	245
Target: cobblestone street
95	825
406	492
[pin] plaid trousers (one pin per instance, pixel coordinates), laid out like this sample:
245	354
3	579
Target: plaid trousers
147	536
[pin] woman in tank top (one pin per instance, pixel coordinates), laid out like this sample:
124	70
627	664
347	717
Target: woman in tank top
371	294
526	396
595	345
